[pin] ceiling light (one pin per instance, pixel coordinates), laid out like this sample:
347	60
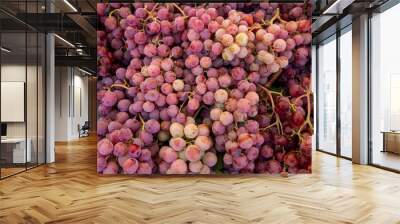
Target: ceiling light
5	50
326	11
70	5
337	7
84	71
65	41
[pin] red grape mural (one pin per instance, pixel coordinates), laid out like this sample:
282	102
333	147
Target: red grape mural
214	88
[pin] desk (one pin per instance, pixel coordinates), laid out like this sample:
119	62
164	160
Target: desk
16	147
391	141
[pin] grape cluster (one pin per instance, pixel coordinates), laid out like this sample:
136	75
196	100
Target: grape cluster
204	89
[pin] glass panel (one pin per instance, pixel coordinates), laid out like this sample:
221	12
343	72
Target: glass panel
41	99
314	86
327	96
13	88
346	94
32	88
385	83
22	81
31	99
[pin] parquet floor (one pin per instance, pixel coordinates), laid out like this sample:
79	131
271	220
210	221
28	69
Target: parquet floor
70	191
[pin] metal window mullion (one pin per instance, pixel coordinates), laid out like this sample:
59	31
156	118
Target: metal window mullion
316	115
338	95
26	87
0	94
369	100
37	90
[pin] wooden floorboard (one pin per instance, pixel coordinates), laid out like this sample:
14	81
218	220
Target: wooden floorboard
70	191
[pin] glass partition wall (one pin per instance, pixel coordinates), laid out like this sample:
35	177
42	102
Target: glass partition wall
345	91
22	77
334	94
327	96
385	89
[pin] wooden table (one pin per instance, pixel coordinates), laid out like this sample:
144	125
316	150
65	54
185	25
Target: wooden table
391	141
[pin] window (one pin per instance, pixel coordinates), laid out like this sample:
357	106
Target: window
385	89
22	76
327	96
346	93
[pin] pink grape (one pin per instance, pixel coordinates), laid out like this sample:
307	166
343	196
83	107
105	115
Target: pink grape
221	96
203	142
245	141
172	111
120	149
216	49
144	168
178	167
291	159
252	153
228	160
243	105
253	98
205	170
176	130
111	168
109	99
205	62
226	118
195	167
145	155
192	153
168	154
274	167
104	147
193	104
239	162
152	126
210	159
191	131
178	143
134	151
291	26
130	166
227	40
148	106
274	29
218	128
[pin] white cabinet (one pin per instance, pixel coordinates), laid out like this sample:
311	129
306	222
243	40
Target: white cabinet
18	149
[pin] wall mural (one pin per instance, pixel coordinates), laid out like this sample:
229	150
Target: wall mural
204	88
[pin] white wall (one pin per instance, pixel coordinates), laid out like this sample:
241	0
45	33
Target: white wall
33	127
71	93
61	103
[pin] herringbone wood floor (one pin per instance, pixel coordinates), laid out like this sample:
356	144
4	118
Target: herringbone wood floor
70	191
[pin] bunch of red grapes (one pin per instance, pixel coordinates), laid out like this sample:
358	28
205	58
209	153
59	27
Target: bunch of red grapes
204	89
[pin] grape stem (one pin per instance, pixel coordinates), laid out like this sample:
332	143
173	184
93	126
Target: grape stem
180	10
256	26
113	11
277	122
307	122
120	85
274	77
151	13
198	111
156	40
277	16
186	101
141	121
